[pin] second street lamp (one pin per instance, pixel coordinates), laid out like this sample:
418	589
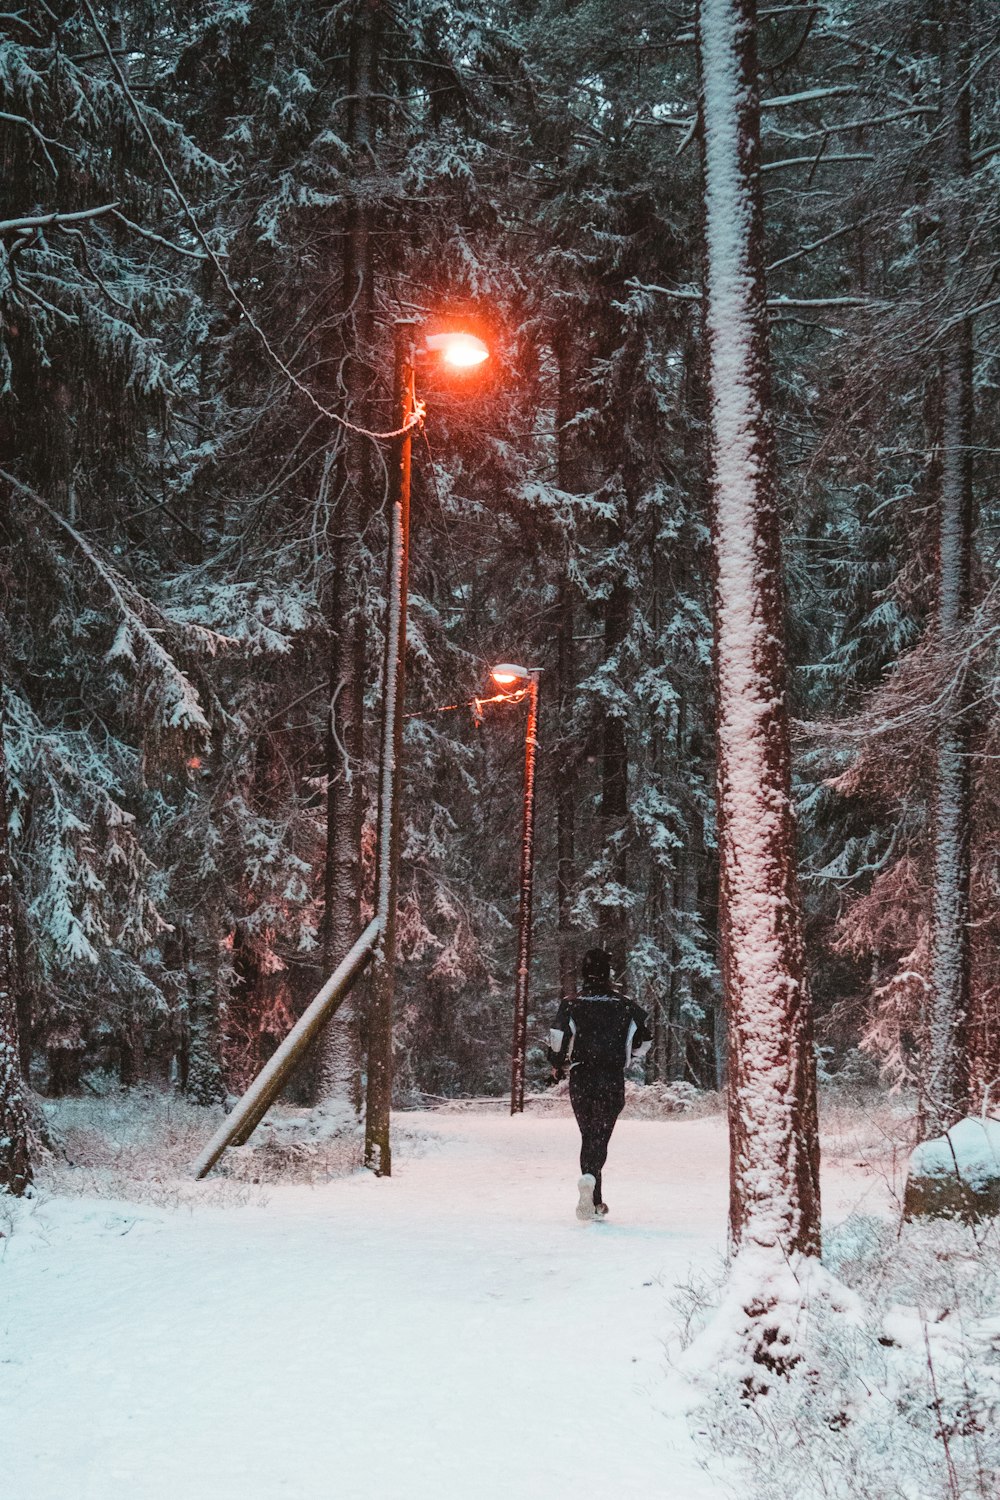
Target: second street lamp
461	351
507	675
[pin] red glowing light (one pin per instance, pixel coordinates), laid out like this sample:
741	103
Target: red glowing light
462	350
505	674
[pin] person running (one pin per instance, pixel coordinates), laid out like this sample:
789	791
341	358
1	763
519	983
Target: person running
597	1035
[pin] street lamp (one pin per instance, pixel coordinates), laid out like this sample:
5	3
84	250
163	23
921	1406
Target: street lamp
462	351
507	675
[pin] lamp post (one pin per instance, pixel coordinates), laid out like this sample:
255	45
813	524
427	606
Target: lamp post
378	1096
507	675
462	351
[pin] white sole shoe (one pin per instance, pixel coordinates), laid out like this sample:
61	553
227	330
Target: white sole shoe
585	1207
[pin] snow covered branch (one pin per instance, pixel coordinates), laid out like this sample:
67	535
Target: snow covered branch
35	222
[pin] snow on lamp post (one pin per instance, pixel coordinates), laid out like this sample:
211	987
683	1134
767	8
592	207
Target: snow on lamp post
508	676
460	351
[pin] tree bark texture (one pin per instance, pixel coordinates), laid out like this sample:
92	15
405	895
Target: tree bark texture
378	1150
15	1166
946	1085
614	763
338	1072
564	757
774	1172
614	758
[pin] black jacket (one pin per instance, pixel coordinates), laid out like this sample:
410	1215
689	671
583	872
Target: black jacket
600	1032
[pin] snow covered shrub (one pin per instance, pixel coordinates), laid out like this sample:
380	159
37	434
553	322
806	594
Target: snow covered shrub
899	1403
311	1146
868	1128
139	1145
653	1101
294	1147
136	1145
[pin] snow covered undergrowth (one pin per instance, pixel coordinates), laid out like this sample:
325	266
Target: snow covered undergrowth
140	1145
900	1397
455	1332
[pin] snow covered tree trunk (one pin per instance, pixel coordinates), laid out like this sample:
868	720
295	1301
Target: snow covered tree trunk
614	763
946	1082
774	1169
204	1082
566	787
661	892
682	998
15	1167
338	1073
564	760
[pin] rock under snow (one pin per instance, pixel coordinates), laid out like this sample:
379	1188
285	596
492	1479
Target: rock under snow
957	1174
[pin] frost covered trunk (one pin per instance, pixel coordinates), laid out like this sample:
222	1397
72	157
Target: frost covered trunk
774	1168
565	788
614	763
338	1073
946	1081
15	1167
564	759
685	1009
204	1082
660	898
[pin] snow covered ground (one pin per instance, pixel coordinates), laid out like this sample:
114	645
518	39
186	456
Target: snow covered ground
451	1332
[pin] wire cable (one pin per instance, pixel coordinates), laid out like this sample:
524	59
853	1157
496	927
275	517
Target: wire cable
189	214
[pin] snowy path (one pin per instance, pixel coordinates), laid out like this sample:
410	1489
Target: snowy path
453	1332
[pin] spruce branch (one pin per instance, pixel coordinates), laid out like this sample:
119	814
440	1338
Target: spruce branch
141	619
223	275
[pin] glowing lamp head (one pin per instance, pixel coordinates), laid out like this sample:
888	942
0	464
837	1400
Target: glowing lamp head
506	674
463	351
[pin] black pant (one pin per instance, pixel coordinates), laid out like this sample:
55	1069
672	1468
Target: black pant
598	1098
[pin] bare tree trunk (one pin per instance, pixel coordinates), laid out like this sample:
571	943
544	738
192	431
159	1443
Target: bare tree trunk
946	1091
15	1166
774	1172
338	1072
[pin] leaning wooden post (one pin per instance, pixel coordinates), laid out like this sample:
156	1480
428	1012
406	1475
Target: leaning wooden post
378	1153
519	1049
239	1126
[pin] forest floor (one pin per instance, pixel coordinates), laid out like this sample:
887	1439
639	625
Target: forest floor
450	1332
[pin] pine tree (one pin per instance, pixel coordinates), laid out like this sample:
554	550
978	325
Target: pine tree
774	1204
946	1095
